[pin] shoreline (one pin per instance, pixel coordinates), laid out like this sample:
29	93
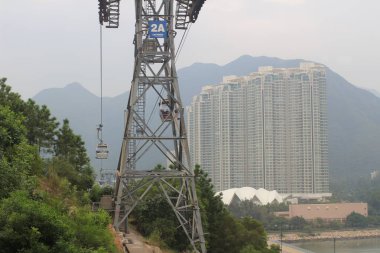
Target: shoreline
325	235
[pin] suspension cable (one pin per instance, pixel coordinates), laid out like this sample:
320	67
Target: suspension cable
100	127
100	133
182	42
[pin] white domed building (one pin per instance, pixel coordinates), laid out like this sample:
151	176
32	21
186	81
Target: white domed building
259	197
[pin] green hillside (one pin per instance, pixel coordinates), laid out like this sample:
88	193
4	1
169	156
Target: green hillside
45	204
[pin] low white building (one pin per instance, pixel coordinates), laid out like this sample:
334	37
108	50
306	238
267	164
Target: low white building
259	197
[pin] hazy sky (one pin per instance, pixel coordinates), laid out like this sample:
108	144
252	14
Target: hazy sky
50	43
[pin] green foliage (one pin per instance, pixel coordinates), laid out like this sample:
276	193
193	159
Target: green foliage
40	124
17	159
71	147
82	178
335	225
297	223
12	131
252	249
224	233
254	232
275	248
356	220
28	225
10	178
262	213
45	212
71	159
249	249
154	219
91	229
9	98
98	191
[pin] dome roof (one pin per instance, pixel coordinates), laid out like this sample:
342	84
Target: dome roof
260	196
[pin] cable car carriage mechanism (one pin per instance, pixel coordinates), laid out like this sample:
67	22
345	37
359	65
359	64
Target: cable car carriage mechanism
102	148
165	113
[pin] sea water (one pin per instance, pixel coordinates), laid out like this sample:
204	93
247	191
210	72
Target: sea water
368	245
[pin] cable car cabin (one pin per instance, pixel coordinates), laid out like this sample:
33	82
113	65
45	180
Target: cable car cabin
165	114
102	151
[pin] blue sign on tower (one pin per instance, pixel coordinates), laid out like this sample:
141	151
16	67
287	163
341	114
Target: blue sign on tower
158	29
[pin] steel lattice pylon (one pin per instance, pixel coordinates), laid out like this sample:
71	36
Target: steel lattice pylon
155	77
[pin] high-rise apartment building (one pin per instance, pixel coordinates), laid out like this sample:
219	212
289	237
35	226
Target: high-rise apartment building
265	130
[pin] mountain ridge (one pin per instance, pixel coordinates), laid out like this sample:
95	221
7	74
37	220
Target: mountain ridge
354	113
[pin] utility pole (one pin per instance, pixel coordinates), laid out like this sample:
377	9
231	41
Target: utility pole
281	237
334	244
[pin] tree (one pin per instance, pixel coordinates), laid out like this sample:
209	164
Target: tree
41	213
224	233
82	179
297	223
154	219
12	131
255	233
30	225
27	225
356	220
98	191
9	98
249	249
71	147
17	159
40	124
10	178
71	159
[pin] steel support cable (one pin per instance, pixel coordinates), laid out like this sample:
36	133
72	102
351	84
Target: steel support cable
155	105
100	132
177	53
182	42
101	76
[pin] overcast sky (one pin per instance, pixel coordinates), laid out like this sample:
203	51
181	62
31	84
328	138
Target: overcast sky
50	43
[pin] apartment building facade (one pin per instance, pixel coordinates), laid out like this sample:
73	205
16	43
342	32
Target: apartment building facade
265	130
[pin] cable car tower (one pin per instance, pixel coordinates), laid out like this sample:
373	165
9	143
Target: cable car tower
155	78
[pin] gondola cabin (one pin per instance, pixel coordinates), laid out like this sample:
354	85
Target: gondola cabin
165	114
102	151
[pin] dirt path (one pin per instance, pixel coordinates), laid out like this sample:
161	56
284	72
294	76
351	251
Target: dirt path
135	243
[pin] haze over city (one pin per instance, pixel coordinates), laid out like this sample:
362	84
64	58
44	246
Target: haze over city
54	43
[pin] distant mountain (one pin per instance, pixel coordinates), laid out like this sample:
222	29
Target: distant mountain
354	128
354	113
82	108
374	92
